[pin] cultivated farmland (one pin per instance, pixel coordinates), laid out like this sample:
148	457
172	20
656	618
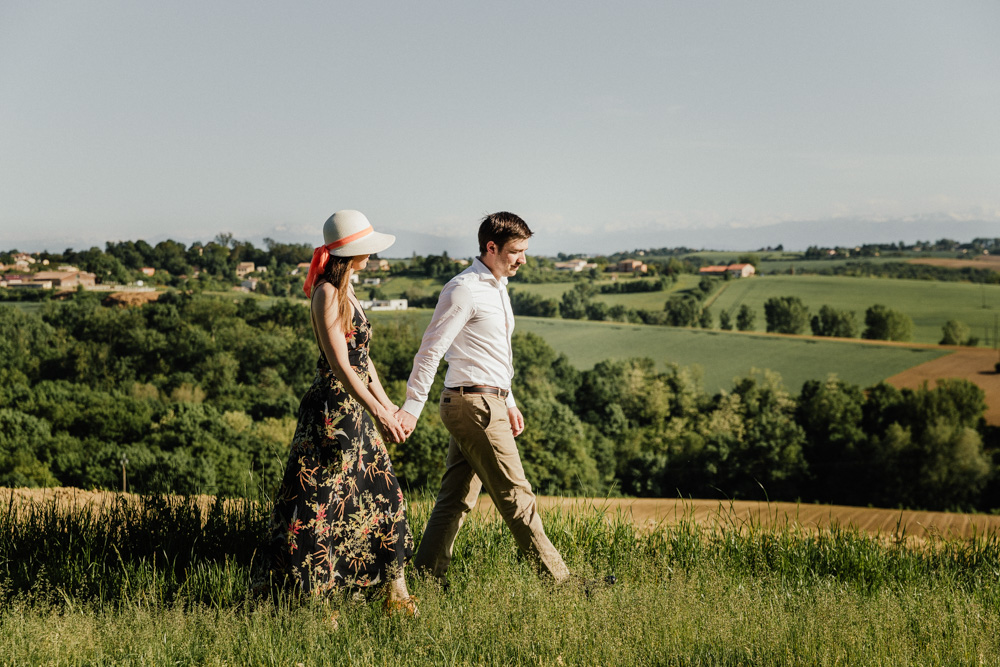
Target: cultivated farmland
722	356
929	303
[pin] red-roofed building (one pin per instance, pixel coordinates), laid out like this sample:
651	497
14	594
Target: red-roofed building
734	270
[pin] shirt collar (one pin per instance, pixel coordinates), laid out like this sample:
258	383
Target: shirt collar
484	272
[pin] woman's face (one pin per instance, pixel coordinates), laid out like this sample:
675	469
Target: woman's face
360	262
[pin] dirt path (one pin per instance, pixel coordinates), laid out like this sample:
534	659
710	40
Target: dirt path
973	364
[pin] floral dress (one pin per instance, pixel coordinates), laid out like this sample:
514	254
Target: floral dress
339	518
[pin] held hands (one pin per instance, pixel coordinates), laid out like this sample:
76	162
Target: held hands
406	420
390	426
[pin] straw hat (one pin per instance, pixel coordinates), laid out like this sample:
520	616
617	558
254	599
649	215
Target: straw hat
349	234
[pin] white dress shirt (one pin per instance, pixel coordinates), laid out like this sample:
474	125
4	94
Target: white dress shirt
471	329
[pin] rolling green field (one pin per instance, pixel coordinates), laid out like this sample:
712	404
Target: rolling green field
722	356
929	303
637	300
718	356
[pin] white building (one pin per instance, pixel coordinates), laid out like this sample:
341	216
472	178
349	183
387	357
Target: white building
385	304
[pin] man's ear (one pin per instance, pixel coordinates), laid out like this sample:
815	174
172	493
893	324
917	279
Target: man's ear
491	248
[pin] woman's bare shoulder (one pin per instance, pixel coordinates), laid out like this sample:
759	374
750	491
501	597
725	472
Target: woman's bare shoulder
324	293
325	300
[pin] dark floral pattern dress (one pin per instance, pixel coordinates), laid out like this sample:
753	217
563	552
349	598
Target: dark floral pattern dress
339	520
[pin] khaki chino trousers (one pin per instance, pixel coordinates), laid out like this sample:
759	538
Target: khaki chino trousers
482	453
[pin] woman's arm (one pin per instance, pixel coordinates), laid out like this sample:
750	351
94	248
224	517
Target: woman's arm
328	329
375	385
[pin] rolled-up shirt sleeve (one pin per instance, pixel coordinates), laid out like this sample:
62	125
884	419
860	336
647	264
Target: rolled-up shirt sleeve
454	308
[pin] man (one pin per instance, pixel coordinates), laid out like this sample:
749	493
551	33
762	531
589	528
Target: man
471	329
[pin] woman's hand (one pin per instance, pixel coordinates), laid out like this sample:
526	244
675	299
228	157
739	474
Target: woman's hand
390	427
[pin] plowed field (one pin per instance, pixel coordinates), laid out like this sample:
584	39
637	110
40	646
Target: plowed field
973	364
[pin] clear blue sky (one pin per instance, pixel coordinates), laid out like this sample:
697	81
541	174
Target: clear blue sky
605	125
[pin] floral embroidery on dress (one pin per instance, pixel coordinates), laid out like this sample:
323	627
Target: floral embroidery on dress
339	519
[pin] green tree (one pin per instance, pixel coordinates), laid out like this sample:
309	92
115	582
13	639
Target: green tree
597	310
955	332
786	315
745	318
705	319
882	323
682	311
725	321
573	305
835	446
833	322
767	460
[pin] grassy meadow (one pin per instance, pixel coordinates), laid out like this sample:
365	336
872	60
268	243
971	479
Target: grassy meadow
156	583
716	356
929	303
721	356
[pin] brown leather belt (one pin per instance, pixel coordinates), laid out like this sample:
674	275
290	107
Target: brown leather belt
480	389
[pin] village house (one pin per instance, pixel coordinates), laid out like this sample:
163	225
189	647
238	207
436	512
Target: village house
148	271
375	265
734	270
631	266
244	268
384	304
23	261
574	265
65	278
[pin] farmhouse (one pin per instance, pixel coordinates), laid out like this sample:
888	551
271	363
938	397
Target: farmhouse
631	266
65	278
385	304
575	265
377	265
734	270
243	268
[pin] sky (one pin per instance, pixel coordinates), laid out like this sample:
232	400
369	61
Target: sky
606	126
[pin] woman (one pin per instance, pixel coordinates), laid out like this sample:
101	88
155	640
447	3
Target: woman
339	519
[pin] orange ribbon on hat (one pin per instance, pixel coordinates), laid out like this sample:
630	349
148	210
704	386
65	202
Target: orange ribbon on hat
322	254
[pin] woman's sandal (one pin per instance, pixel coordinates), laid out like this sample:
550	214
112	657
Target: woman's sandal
407	607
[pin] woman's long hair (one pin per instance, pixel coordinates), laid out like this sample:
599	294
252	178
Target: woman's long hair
338	273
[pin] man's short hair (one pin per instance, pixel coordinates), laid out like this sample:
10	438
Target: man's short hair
501	227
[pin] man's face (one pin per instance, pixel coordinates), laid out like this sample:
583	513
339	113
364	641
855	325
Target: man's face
511	256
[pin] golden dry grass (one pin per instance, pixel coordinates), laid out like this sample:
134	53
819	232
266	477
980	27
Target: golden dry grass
651	513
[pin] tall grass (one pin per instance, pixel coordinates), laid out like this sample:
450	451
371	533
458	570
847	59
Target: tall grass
168	582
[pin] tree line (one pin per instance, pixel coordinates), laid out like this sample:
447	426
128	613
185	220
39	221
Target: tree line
197	394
